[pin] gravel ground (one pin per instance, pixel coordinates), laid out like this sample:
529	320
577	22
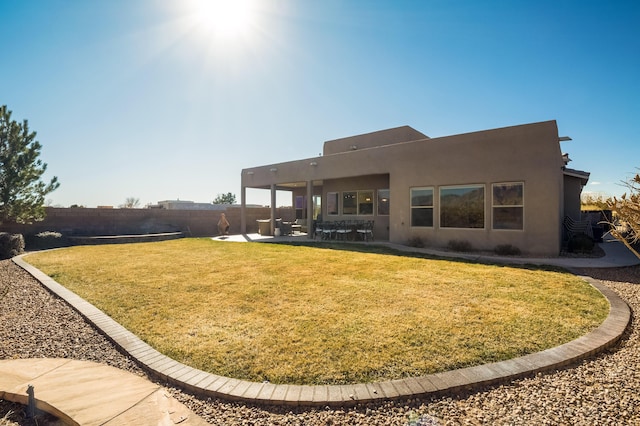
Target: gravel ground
601	391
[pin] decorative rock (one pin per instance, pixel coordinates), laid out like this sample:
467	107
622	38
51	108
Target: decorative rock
603	390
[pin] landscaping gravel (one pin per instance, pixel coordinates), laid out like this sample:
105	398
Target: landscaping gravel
602	391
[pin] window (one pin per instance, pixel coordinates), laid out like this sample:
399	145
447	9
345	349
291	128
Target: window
383	202
422	207
332	203
508	206
301	207
365	203
317	206
349	203
462	206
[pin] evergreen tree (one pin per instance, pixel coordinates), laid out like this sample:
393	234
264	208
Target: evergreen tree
228	198
22	193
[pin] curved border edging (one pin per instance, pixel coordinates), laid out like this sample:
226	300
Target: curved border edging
123	239
211	385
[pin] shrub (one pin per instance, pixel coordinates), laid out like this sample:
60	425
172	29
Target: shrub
507	250
415	242
581	243
45	240
627	210
10	245
460	245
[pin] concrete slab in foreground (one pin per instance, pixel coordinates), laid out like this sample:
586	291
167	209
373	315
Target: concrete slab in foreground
88	393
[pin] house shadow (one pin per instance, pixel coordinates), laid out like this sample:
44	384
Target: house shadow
624	274
373	248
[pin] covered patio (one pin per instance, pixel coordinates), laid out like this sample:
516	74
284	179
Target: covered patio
501	187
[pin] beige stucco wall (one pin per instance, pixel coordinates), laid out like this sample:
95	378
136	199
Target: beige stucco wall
528	153
572	192
373	139
91	221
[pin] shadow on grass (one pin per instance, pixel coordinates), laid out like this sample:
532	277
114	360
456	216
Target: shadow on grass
382	249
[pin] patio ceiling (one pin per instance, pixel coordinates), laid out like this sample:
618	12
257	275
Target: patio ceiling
287	186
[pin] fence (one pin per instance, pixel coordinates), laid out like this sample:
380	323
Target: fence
98	221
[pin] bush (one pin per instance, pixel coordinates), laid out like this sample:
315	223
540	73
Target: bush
507	250
627	211
581	243
10	245
460	245
415	242
45	240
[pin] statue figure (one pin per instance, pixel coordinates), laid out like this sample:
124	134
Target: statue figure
223	225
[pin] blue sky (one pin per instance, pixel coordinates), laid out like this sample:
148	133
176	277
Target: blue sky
147	99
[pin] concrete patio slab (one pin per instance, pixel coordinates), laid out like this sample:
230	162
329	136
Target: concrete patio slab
88	393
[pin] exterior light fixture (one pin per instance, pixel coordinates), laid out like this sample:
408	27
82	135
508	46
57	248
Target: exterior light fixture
274	169
313	163
250	172
353	147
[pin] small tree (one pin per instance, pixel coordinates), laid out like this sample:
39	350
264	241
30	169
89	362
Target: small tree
22	193
227	198
627	212
130	203
590	201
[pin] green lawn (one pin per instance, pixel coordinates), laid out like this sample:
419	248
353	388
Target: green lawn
314	315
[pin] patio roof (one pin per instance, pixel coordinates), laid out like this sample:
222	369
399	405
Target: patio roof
582	175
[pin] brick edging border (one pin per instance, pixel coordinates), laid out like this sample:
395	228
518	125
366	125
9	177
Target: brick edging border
210	385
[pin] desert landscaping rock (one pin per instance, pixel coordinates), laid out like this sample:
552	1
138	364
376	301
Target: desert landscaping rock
604	390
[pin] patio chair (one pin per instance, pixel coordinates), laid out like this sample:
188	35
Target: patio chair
365	230
328	230
343	229
285	228
577	227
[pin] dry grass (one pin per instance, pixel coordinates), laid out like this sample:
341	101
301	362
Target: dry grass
308	315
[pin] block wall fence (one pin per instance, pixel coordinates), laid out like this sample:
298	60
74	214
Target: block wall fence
97	221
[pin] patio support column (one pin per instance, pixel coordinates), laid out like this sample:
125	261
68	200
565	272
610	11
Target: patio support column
273	208
310	209
243	207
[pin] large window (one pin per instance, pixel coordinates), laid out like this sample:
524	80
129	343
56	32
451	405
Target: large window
357	203
332	203
383	202
365	203
422	207
350	203
508	206
462	206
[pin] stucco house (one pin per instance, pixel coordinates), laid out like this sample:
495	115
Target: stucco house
501	186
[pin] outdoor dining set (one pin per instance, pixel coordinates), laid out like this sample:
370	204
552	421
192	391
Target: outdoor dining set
344	230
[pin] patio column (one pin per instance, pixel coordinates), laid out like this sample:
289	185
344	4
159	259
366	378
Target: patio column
310	209
243	213
273	208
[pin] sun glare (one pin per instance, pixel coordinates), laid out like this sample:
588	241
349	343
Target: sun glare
225	19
